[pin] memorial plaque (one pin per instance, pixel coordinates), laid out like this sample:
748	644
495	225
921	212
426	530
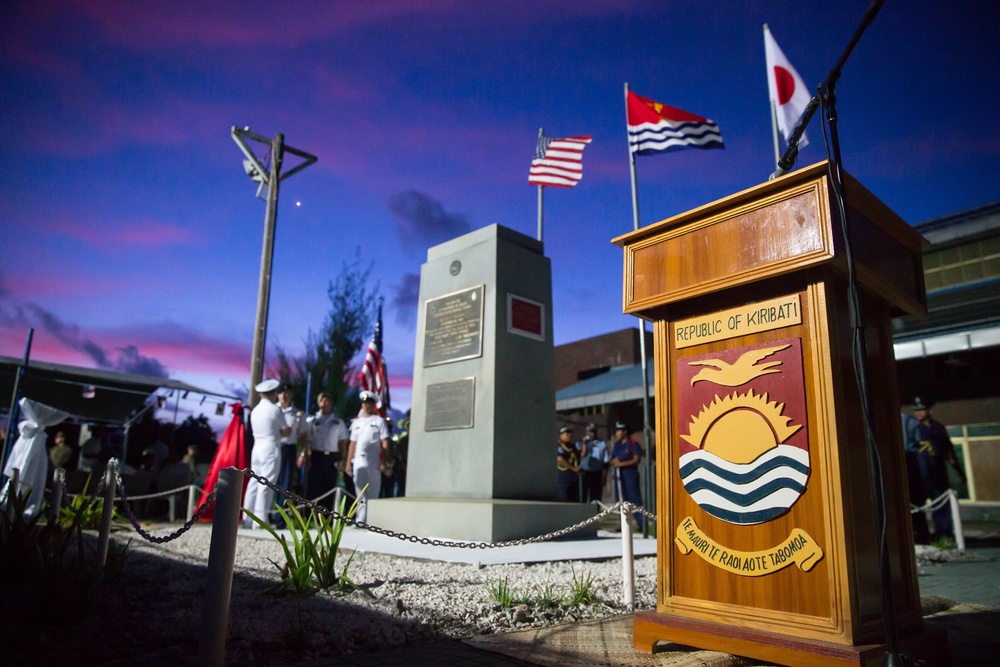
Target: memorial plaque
450	405
453	327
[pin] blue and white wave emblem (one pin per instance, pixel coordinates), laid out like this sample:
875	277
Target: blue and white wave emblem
746	493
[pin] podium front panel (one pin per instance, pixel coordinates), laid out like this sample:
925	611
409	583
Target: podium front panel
747	467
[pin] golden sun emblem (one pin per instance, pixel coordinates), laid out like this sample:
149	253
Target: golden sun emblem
740	427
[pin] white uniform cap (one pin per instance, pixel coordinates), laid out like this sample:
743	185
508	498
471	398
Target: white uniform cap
267	386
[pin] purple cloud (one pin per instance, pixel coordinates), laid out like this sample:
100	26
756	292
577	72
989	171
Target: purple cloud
145	350
422	222
29	315
405	298
130	361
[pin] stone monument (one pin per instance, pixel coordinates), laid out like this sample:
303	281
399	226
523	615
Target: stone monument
481	461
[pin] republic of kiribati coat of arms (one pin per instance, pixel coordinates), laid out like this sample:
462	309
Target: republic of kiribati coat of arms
743	446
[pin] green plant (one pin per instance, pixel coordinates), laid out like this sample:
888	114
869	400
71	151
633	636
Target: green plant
501	592
547	596
85	511
944	542
329	531
296	573
311	561
581	589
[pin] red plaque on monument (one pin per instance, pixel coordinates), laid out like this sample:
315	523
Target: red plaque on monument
525	317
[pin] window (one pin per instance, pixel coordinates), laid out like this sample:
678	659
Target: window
962	264
962	437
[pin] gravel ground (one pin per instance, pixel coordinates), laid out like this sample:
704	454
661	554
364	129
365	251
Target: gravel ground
154	609
152	613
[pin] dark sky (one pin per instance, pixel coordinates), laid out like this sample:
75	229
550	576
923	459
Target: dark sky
131	235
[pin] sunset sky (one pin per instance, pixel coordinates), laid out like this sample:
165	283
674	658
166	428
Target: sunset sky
132	237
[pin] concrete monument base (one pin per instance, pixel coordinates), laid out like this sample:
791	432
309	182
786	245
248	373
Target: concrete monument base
479	519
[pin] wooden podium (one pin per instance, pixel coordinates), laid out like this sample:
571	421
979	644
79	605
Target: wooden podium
767	538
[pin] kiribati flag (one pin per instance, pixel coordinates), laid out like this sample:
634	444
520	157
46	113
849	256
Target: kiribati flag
656	128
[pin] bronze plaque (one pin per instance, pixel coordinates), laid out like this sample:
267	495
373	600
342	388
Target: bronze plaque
453	327
450	405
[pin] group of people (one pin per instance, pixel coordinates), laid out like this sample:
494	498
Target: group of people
288	443
583	466
928	450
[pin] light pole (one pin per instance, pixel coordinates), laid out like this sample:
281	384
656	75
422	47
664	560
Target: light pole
271	178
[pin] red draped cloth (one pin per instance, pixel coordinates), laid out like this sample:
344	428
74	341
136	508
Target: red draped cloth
233	452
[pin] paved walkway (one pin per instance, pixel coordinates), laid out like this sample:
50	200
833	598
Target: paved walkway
975	580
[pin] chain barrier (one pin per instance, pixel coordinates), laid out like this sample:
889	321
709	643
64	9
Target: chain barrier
931	505
127	507
319	498
426	540
148	496
641	510
312	505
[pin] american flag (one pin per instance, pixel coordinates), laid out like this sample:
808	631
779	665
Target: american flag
374	376
558	163
656	128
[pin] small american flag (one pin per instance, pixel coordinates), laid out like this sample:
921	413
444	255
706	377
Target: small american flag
374	376
558	163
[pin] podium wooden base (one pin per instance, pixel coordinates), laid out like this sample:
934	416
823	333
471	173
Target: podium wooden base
927	648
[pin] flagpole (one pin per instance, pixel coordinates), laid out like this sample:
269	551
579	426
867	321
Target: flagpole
631	164
378	325
774	111
774	131
540	198
646	428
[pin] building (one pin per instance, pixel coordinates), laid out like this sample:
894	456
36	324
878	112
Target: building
599	381
952	356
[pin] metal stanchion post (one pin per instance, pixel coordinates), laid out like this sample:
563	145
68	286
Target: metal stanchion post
221	557
172	505
628	563
190	508
338	494
110	478
956	520
58	487
15	481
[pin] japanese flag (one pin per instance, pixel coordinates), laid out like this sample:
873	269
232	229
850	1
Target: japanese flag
784	85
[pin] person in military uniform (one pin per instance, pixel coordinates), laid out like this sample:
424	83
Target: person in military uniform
568	465
267	423
934	450
594	459
625	456
327	447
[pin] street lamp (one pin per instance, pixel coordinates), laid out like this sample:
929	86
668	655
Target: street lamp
270	178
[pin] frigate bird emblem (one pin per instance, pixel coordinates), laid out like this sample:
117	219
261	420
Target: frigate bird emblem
741	371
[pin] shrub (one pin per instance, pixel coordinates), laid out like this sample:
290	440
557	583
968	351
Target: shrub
311	561
581	589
